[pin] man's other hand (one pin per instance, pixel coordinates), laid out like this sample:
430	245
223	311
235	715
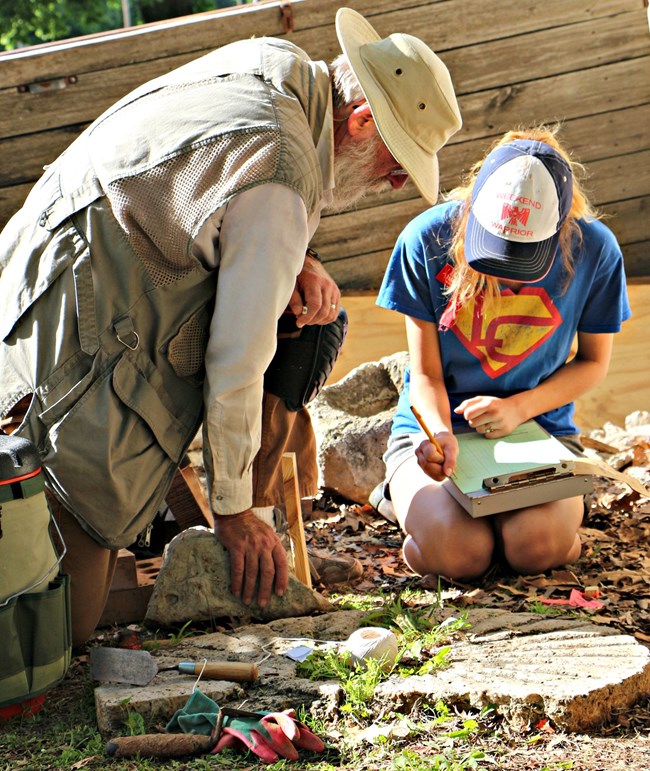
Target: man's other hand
255	553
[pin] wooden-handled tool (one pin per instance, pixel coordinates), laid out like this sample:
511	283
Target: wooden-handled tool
237	671
138	667
159	745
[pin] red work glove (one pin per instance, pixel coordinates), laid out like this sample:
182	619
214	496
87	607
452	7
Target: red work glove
269	735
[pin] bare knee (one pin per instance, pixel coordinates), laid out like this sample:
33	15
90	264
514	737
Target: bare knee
452	554
537	545
441	537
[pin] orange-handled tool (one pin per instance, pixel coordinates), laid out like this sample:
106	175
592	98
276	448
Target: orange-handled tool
124	665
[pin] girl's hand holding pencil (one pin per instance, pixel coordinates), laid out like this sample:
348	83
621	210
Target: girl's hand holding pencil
442	462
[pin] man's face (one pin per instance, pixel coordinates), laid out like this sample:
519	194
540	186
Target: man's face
363	165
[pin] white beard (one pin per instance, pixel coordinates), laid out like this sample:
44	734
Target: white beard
355	175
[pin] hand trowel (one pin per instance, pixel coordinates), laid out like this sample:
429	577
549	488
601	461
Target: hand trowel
137	667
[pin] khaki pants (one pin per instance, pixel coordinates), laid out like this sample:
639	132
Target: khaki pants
91	566
284	431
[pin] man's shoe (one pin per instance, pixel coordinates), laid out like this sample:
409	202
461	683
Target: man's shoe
327	568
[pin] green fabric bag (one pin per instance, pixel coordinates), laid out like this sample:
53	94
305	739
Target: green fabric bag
35	627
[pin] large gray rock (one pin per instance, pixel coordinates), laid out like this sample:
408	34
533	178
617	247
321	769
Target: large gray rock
352	420
194	585
527	667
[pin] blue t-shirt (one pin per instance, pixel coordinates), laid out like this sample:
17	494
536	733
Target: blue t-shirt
514	347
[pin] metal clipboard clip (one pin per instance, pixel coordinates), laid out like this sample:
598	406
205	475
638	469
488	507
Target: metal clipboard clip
536	475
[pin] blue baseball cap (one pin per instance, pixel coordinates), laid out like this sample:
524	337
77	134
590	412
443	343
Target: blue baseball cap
521	198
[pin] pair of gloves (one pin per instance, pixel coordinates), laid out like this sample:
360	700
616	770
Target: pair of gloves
269	735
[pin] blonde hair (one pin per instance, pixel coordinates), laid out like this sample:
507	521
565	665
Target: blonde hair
467	283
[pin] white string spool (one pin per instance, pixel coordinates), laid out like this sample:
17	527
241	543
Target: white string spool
372	642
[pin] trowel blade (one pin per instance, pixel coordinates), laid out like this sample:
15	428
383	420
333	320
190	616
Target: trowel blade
122	665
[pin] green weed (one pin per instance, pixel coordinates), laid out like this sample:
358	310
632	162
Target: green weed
134	722
408	760
535	606
419	653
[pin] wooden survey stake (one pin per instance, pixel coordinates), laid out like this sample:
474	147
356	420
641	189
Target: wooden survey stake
294	518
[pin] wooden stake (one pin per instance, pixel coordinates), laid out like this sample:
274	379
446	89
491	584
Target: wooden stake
294	518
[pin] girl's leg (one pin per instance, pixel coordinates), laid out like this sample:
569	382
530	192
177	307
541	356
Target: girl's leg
441	537
541	537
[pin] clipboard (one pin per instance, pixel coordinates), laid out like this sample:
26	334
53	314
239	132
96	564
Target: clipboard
525	468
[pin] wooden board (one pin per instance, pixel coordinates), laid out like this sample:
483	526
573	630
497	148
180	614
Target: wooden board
376	332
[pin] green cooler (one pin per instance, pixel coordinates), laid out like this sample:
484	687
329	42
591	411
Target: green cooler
35	634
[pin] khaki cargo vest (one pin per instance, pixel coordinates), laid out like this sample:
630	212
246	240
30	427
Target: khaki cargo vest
106	309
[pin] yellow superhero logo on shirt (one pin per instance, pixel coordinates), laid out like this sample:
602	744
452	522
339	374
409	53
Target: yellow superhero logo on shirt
509	331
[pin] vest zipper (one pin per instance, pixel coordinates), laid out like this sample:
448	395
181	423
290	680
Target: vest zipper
144	539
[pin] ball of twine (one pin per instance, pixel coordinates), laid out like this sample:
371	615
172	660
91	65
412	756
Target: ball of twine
372	642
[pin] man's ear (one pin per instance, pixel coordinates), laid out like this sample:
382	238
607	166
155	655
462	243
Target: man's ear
361	124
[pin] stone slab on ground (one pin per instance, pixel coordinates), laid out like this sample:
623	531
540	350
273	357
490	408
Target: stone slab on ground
193	584
526	665
157	701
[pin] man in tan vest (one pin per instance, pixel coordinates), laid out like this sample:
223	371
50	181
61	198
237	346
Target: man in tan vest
146	272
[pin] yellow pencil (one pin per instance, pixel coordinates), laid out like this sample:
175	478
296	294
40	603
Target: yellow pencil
430	436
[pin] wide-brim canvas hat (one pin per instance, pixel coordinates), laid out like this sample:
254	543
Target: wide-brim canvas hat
521	197
410	94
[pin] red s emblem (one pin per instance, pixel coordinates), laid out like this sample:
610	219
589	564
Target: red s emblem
502	337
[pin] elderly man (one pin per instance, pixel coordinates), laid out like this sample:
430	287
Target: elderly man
144	276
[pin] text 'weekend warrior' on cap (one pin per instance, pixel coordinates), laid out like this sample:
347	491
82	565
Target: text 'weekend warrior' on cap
410	94
521	197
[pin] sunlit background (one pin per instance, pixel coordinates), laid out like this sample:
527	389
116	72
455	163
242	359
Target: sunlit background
30	22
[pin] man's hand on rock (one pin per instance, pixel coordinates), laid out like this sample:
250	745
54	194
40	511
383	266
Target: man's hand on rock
255	553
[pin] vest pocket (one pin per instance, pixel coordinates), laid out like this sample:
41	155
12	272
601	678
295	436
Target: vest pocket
111	458
186	350
134	389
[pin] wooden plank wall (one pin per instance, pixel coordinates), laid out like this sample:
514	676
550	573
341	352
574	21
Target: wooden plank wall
513	62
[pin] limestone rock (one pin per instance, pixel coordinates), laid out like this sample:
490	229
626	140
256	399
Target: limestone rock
352	420
575	673
159	700
194	580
